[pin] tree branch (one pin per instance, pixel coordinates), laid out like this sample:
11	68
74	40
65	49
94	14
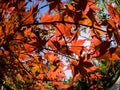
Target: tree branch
63	22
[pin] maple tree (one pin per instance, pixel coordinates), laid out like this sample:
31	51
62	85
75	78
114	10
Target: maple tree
35	47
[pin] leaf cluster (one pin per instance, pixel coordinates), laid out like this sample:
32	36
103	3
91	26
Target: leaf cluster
36	49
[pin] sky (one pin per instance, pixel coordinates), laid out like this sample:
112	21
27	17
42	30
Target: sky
41	4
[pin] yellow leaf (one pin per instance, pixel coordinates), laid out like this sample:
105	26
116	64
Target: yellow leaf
71	7
35	68
20	77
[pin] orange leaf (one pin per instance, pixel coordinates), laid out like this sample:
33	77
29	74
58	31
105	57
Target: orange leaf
95	41
113	13
97	31
76	46
114	57
50	18
29	16
51	57
91	4
21	4
64	29
28	48
110	21
23	56
77	77
94	7
85	20
110	55
71	7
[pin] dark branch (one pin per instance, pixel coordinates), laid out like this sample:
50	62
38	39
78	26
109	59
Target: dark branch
64	22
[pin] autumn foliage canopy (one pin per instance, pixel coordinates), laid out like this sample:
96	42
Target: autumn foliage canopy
36	49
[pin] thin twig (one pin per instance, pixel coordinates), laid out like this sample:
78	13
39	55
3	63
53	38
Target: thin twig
64	22
57	52
63	37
